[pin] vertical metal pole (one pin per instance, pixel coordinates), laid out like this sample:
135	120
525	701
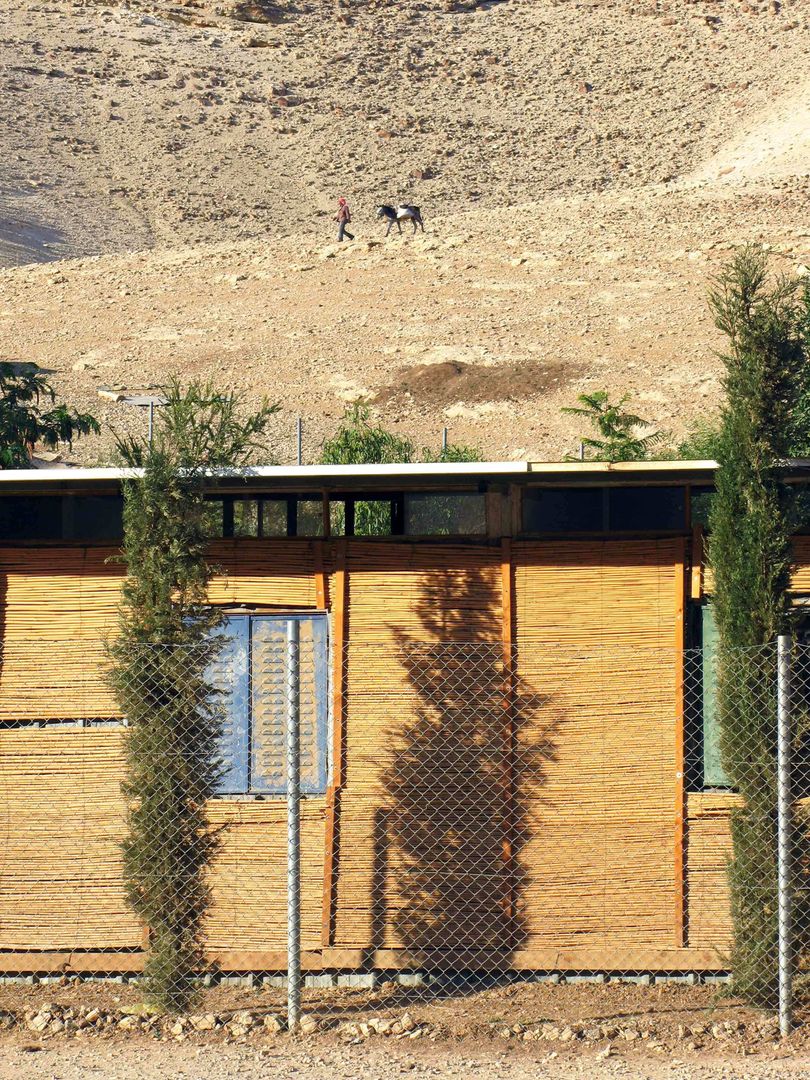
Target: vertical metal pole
582	451
783	848
293	830
444	438
299	438
151	420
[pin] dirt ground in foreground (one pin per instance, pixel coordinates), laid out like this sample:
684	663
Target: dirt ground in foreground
517	1030
328	1060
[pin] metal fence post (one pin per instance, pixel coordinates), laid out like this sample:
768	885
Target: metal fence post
783	841
293	829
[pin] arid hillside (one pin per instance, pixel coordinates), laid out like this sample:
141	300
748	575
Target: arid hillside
582	168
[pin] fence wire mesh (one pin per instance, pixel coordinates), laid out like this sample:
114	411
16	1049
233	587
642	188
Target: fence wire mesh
471	816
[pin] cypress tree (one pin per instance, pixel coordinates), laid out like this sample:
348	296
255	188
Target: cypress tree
751	522
160	658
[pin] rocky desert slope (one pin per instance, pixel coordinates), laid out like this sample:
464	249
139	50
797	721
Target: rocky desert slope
582	169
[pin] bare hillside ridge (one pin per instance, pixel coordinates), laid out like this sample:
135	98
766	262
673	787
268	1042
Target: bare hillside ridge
140	124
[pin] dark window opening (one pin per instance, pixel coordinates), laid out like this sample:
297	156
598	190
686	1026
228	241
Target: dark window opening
61	517
564	510
604	509
647	509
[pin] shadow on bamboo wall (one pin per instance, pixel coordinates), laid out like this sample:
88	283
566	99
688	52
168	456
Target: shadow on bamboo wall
456	790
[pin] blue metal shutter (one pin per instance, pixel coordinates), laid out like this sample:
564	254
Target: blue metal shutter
229	673
268	696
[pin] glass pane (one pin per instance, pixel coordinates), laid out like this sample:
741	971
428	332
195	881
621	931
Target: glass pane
310	517
274	517
212	518
701	505
337	517
563	510
372	517
647	509
245	517
445	515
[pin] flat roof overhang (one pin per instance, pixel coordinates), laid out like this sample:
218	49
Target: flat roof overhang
428	476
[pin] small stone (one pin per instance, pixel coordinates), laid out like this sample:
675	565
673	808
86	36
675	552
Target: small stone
40	1021
308	1025
55	1027
237	1030
206	1022
244	1019
567	1034
128	1023
274	1024
92	1016
407	1022
177	1028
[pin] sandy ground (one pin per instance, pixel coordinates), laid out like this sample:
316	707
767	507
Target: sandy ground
329	1061
487	324
582	170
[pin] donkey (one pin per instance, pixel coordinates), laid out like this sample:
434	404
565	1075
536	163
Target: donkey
396	215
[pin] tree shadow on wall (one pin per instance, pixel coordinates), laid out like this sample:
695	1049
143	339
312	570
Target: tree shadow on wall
469	745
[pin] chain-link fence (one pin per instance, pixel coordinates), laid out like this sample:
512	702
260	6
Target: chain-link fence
405	821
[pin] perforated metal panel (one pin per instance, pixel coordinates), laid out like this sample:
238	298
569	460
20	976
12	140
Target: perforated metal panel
269	660
250	675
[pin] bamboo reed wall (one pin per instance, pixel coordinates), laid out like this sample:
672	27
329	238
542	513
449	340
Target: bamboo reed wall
800	578
708	848
400	598
596	629
61	823
593	801
249	879
61	809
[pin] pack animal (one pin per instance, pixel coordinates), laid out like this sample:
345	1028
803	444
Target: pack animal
396	215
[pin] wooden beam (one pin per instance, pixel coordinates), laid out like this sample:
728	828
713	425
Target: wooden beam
332	831
582	958
698	555
507	609
494	511
261	960
321	579
106	963
680	750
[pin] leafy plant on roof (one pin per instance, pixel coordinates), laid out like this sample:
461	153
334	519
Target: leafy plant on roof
360	441
160	664
30	415
617	430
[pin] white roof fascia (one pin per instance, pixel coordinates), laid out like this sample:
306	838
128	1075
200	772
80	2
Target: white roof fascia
287	472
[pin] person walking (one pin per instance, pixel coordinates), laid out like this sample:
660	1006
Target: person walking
344	216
